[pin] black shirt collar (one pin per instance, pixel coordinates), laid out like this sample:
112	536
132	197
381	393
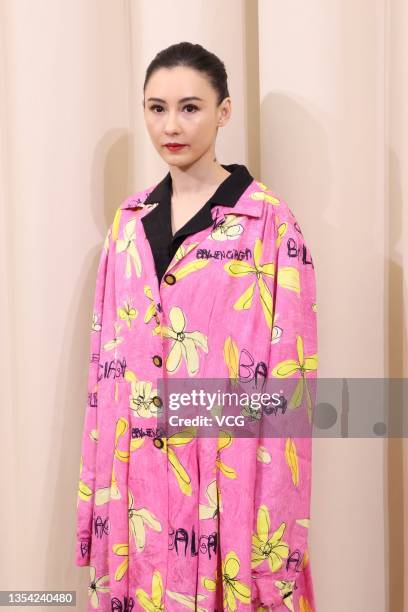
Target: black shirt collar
227	194
157	223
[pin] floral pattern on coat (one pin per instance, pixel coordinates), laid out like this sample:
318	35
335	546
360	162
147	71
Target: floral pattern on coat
184	522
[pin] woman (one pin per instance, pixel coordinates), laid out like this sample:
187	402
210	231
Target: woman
203	276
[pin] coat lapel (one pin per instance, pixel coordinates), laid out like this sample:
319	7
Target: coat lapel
157	226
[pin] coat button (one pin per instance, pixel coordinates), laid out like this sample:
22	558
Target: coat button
170	279
157	360
158	442
157	401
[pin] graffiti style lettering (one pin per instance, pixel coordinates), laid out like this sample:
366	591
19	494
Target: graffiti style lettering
295	559
93	399
217	221
300	252
297	227
251	370
208	544
84	548
101	526
127	606
180	538
113	369
274	409
230	254
139	432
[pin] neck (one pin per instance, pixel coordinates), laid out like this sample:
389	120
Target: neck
202	177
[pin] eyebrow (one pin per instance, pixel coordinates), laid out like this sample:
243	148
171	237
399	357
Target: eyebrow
181	99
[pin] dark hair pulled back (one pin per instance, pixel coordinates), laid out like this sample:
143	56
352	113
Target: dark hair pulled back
192	56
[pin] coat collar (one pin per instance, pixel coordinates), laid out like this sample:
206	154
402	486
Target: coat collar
238	194
239	191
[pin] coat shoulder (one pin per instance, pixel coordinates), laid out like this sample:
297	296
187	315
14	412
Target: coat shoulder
277	206
136	200
126	210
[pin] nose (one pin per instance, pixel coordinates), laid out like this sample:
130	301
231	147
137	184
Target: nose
171	124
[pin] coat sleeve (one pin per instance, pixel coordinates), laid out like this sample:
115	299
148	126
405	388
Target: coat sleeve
283	479
87	471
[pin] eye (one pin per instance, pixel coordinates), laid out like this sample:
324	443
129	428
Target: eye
191	106
194	108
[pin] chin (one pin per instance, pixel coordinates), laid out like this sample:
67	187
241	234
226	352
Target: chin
173	160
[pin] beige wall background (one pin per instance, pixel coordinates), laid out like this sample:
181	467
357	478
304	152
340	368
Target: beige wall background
320	114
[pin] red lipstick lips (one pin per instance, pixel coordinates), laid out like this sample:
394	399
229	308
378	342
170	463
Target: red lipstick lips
174	147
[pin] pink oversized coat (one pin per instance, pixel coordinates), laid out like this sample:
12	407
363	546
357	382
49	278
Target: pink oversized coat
186	522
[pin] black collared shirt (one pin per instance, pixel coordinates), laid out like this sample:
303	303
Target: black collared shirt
157	224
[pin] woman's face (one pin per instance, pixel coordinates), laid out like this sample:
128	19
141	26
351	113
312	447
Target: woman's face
180	106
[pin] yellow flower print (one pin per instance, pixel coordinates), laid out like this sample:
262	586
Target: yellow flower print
106	241
262	186
292	460
141	399
276	331
216	410
138	517
84	492
305	560
291	366
184	343
151	310
286	591
281	230
93	434
116	224
122	425
287	277
179	439
253	413
229	230
104	494
192	266
264	546
111	344
136	443
189	601
96	586
231	358
122	550
154	603
127	313
210	583
262	195
96	327
214	507
263	455
224	441
304	605
232	587
183	250
128	244
236	268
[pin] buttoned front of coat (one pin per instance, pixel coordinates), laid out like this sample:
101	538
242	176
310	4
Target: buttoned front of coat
186	522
